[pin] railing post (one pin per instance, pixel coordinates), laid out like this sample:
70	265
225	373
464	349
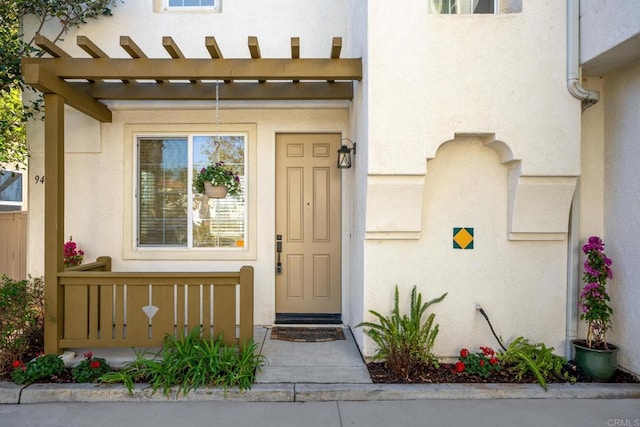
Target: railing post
107	262
246	305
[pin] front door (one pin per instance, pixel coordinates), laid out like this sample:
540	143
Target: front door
308	225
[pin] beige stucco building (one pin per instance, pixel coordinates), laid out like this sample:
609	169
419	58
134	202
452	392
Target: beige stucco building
462	120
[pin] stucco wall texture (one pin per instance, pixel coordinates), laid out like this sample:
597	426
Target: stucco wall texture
610	189
622	207
520	284
500	77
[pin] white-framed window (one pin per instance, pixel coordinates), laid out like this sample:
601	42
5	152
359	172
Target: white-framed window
212	5
453	7
10	190
169	212
165	219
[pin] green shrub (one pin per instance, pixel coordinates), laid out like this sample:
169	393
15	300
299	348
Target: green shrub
537	359
21	320
192	361
90	369
40	368
405	342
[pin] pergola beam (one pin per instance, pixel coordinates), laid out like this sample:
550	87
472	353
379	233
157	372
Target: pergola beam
173	50
202	68
50	47
214	50
90	47
46	82
207	91
131	47
295	50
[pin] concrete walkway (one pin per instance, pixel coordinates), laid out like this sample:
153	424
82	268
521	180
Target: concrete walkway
330	362
306	372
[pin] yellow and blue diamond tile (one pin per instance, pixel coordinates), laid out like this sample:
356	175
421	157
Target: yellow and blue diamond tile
462	237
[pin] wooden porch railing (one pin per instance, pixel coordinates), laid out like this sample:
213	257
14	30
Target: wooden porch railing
101	308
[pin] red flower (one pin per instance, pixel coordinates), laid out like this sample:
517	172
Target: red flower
17	363
493	361
464	353
487	351
481	362
460	367
88	355
95	364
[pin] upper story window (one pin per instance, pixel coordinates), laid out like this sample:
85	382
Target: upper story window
193	4
169	213
453	7
10	190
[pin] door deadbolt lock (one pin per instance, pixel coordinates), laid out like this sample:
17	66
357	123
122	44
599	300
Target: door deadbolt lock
278	252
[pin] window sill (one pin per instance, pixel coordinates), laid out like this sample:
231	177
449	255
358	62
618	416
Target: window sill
194	254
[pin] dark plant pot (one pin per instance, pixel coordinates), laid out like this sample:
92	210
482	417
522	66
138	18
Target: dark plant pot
600	365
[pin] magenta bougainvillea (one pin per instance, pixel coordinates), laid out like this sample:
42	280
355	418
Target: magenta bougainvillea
594	299
72	255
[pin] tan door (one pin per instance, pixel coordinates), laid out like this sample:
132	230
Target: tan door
308	220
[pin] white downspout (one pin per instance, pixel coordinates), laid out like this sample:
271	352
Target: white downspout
573	271
588	97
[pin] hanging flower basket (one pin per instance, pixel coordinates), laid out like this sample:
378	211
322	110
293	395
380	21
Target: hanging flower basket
217	174
215	191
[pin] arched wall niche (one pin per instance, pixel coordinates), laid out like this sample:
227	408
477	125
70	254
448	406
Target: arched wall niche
538	206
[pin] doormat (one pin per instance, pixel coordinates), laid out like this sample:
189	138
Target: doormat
306	334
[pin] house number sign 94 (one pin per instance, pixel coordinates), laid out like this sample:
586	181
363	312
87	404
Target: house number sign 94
39	179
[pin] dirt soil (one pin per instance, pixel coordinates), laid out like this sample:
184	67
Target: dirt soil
446	374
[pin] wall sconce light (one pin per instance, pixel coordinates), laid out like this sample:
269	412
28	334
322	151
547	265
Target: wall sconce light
344	154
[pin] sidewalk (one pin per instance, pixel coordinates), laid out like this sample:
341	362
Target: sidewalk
308	372
409	413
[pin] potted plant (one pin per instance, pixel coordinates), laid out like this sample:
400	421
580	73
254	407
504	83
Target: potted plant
595	356
216	181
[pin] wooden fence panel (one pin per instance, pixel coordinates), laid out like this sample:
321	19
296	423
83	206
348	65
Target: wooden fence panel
109	309
76	308
13	244
163	319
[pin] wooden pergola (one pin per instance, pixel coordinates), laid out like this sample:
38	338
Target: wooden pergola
83	83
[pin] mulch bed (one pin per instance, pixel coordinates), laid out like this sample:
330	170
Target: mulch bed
446	374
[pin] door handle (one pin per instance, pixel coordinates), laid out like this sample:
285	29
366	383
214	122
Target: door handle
278	252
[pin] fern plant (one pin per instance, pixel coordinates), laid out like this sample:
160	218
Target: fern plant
537	359
405	342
